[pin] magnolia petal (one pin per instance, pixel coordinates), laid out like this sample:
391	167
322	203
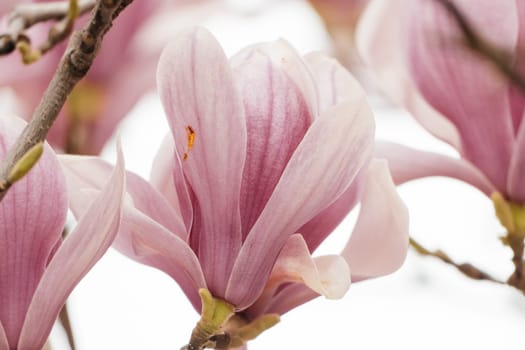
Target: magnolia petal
92	236
277	118
167	178
150	243
408	164
86	173
379	242
4	344
515	185
32	216
325	275
379	42
206	117
334	83
461	85
284	56
324	165
316	230
290	297
516	95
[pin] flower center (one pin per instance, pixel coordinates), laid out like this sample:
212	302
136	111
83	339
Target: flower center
191	139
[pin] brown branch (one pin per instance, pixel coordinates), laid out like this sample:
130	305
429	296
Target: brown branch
74	65
25	16
468	270
501	58
517	279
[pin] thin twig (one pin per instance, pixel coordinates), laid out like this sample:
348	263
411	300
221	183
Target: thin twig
468	270
517	279
74	65
501	58
25	16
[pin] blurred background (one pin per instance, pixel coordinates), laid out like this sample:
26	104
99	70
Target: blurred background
121	304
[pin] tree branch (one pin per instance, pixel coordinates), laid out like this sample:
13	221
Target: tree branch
25	16
74	65
468	270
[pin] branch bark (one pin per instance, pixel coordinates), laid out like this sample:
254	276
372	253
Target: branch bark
468	270
25	16
74	65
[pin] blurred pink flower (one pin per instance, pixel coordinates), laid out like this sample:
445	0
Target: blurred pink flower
340	18
123	71
268	153
339	12
416	51
37	269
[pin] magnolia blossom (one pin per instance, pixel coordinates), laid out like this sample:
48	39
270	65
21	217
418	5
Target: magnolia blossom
38	269
417	51
267	154
123	71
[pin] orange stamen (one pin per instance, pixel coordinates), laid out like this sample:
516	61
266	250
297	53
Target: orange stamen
191	139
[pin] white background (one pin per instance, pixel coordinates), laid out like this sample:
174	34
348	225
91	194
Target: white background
426	305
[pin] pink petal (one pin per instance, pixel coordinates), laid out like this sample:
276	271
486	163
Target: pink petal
201	99
379	41
284	56
408	164
150	243
325	275
316	230
167	178
87	243
334	83
151	232
32	217
4	344
277	118
462	86
324	165
290	297
90	173
516	95
379	242
515	185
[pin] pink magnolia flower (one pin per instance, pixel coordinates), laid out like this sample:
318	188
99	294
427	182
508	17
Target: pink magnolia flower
416	51
123	71
38	270
267	154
